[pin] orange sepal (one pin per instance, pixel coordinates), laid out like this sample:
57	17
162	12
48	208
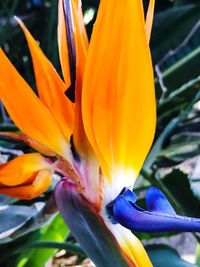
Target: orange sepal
118	106
30	142
62	45
27	110
40	183
20	170
149	19
130	246
81	43
50	86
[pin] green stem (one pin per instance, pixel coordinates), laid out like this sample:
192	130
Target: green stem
180	63
180	90
69	246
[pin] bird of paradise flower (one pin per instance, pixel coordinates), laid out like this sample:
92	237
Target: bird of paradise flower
95	129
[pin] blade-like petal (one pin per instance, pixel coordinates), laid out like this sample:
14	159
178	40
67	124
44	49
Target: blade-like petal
20	170
149	19
50	86
27	111
68	26
81	42
62	45
40	183
71	26
10	136
130	245
119	111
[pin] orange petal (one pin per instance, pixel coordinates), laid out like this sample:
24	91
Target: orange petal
19	170
30	142
149	19
118	106
40	184
27	111
80	25
130	245
50	86
81	42
62	45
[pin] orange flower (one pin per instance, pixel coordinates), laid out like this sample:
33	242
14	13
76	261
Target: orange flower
101	140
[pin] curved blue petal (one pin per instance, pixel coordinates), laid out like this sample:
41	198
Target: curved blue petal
133	218
156	201
129	195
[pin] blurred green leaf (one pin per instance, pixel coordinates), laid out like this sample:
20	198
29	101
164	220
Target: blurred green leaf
165	256
184	17
13	218
36	219
37	257
183	70
198	255
194	177
178	184
68	246
157	146
5	200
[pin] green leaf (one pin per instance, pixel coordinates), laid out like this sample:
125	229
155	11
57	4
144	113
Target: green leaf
198	255
178	99
178	185
13	218
36	220
37	257
177	56
183	70
182	152
194	177
157	146
5	200
184	17
165	256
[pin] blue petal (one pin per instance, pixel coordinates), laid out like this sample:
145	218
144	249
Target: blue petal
156	201
129	195
132	217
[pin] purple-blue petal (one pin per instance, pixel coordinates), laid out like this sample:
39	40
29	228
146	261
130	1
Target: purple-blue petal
129	195
133	218
156	201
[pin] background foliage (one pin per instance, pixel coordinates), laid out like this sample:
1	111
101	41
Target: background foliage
28	236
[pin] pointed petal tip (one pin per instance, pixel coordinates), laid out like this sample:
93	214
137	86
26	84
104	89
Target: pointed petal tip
114	139
37	122
47	77
149	19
